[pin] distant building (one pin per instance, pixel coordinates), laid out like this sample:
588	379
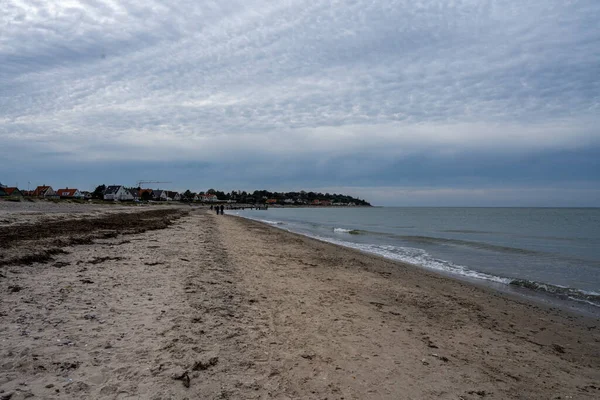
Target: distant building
10	192
134	193
69	193
159	195
175	196
44	191
117	193
86	195
210	198
145	194
271	201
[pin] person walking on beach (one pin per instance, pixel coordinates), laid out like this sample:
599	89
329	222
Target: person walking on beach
217	209
222	208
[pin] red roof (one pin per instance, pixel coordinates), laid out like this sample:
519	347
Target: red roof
40	190
66	192
9	190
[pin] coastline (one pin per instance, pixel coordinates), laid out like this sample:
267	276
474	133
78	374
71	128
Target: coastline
515	292
210	306
529	268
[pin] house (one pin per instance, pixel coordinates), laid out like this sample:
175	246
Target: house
271	201
69	194
117	193
145	194
159	195
289	201
11	192
316	202
44	191
2	192
134	193
86	195
173	196
210	198
325	202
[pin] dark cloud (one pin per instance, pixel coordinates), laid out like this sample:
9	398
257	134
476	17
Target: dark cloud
320	93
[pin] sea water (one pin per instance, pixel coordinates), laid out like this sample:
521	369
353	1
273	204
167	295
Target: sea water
555	251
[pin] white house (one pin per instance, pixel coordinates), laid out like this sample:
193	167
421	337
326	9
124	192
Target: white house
159	195
175	196
117	193
135	194
210	198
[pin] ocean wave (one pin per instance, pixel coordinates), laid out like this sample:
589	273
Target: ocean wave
592	298
266	221
348	231
555	238
466	231
417	257
422	258
467	243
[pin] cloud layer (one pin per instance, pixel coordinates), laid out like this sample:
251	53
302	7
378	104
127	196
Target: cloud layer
262	84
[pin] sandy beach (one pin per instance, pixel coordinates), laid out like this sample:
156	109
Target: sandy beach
176	303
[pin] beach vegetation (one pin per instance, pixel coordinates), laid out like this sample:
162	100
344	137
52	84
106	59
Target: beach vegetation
98	193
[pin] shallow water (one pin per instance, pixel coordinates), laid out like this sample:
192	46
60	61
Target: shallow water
550	250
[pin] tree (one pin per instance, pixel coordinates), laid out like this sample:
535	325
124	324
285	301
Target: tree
99	192
146	196
187	195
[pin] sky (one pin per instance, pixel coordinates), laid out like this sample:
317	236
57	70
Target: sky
408	102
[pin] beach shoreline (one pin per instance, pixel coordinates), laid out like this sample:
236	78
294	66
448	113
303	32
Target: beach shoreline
206	306
543	299
514	256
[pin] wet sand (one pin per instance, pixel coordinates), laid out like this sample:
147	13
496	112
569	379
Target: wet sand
173	303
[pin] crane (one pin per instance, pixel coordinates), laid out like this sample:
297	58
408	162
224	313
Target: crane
140	183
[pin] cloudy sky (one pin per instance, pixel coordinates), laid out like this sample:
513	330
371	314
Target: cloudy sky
408	102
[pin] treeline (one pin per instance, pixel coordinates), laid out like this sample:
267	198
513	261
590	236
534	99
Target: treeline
263	196
257	197
302	197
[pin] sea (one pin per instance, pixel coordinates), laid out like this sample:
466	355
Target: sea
549	254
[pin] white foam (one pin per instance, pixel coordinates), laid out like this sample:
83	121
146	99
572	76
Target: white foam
266	221
341	230
408	255
417	257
